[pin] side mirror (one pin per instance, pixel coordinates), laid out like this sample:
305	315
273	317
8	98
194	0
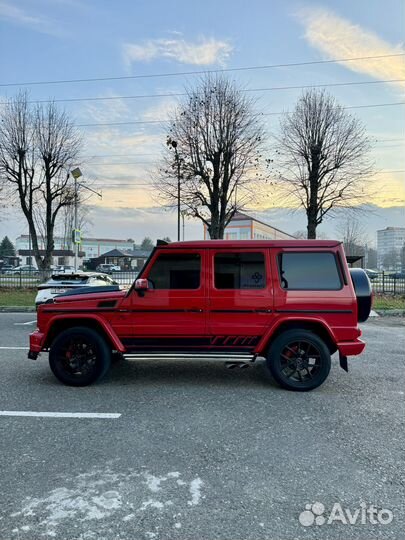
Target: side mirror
141	284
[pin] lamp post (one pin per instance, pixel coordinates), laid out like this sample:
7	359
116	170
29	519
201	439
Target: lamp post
76	173
173	144
183	215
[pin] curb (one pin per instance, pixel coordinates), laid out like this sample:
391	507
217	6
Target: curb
390	312
17	309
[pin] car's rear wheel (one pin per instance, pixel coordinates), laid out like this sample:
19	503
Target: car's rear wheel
79	356
299	360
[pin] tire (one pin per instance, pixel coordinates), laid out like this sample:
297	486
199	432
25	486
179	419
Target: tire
73	367
299	360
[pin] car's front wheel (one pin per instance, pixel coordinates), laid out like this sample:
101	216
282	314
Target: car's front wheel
299	360
79	356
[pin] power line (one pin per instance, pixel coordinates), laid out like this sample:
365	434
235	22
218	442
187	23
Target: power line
117	185
200	72
135	122
119	155
108	164
136	154
182	94
92	156
391	140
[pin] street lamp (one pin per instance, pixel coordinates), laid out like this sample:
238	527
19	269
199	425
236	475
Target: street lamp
183	215
76	173
173	144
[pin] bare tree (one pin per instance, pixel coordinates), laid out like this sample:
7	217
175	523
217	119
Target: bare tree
353	235
302	235
213	150
322	155
38	146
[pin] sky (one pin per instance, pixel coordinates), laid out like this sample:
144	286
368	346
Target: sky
63	40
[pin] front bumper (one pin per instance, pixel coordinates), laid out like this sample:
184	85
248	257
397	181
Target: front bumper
37	339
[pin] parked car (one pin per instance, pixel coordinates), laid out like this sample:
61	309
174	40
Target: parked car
397	275
372	274
6	268
108	268
294	302
61	283
64	269
25	269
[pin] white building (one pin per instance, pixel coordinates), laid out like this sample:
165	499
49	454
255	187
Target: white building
244	227
91	247
390	242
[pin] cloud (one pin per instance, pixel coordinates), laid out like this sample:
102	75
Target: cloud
161	110
337	37
14	14
205	52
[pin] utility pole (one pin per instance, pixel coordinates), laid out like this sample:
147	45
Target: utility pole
29	248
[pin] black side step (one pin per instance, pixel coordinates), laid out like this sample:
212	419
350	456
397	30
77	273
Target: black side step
204	355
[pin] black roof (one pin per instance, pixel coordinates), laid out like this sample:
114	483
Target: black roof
141	253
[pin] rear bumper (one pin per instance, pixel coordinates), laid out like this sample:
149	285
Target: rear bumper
351	348
37	339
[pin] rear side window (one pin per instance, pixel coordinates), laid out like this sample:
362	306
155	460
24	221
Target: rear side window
309	271
176	271
239	271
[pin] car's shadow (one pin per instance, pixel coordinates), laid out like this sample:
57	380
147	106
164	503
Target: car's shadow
179	373
186	372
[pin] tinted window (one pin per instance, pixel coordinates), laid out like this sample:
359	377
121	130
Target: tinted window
240	271
176	271
311	271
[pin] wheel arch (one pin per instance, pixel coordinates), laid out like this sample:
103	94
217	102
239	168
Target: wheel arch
313	325
59	324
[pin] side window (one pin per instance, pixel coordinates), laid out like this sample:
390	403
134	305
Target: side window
239	271
176	271
309	271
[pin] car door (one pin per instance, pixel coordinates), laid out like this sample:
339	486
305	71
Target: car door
240	297
171	313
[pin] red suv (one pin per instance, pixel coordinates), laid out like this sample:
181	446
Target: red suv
294	302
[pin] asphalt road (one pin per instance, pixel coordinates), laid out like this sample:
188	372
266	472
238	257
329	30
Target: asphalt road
199	451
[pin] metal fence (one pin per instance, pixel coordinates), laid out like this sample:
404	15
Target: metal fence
388	283
382	283
33	279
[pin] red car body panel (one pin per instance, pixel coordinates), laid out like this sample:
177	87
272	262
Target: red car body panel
210	319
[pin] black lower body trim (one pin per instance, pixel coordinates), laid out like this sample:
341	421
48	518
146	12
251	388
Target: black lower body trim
207	343
314	311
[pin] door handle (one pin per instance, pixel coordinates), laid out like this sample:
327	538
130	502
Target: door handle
195	310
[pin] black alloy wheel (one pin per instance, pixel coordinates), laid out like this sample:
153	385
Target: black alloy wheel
299	360
79	356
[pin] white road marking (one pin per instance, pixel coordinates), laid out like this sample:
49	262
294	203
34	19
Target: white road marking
24	323
14	348
60	414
